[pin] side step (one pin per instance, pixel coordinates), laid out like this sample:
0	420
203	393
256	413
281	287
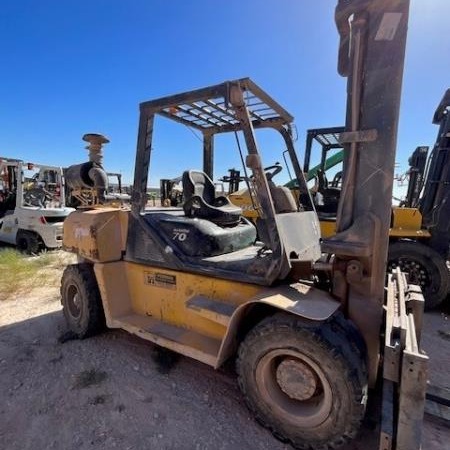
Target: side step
213	310
187	342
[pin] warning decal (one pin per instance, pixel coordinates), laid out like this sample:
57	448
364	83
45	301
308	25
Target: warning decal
163	280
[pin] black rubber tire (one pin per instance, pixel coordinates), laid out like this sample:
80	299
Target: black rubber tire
28	242
332	347
84	314
436	282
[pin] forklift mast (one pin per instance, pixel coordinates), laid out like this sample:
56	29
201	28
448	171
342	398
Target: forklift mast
435	202
417	165
371	51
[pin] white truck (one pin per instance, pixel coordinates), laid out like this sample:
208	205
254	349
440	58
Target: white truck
32	205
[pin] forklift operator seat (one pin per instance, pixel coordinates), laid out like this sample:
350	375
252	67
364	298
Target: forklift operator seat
200	200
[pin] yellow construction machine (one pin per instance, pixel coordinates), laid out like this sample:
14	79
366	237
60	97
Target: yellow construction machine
419	236
311	323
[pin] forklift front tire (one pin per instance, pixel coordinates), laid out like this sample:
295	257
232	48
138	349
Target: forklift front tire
303	381
80	297
28	242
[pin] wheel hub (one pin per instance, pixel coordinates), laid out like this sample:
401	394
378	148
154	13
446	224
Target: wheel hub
74	302
416	272
296	379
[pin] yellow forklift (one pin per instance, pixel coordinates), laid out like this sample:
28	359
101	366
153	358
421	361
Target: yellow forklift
197	280
419	236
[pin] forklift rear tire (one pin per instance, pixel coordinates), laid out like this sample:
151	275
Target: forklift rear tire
306	382
424	267
28	242
82	304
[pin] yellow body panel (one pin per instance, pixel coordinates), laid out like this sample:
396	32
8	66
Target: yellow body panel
163	293
407	222
242	199
327	228
97	234
196	315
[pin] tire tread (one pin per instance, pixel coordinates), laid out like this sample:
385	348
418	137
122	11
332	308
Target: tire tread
334	336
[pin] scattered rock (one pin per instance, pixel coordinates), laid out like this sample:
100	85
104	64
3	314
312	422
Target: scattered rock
120	408
98	400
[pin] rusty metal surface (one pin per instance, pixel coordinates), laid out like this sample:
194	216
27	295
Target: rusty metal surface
372	49
405	367
210	109
98	235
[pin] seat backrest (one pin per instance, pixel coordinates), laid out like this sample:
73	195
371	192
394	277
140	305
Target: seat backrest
283	199
198	183
200	200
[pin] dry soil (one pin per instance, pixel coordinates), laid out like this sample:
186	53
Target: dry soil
117	391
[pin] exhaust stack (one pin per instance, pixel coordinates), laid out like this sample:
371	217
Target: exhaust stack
88	182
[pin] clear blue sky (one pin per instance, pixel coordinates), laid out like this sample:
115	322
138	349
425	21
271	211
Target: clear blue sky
71	67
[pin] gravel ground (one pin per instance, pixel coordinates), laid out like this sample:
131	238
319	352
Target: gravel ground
117	391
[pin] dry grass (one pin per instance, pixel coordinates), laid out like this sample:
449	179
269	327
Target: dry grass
20	273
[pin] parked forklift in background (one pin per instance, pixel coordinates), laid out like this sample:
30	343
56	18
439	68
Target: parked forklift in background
197	280
419	236
32	205
115	191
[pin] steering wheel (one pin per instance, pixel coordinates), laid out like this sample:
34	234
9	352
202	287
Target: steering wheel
271	171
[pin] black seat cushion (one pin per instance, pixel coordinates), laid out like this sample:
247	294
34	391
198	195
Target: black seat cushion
200	237
200	200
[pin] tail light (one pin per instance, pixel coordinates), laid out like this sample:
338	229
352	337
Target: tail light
42	220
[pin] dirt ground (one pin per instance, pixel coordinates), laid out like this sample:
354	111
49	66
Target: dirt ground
117	391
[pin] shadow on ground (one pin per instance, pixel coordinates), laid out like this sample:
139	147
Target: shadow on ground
118	391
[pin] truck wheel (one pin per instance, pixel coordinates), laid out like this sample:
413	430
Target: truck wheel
80	297
307	383
28	242
424	267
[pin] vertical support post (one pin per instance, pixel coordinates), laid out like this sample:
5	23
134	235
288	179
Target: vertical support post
267	224
304	194
309	139
324	155
264	195
139	196
208	154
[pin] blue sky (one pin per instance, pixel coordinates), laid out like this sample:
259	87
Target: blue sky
71	67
